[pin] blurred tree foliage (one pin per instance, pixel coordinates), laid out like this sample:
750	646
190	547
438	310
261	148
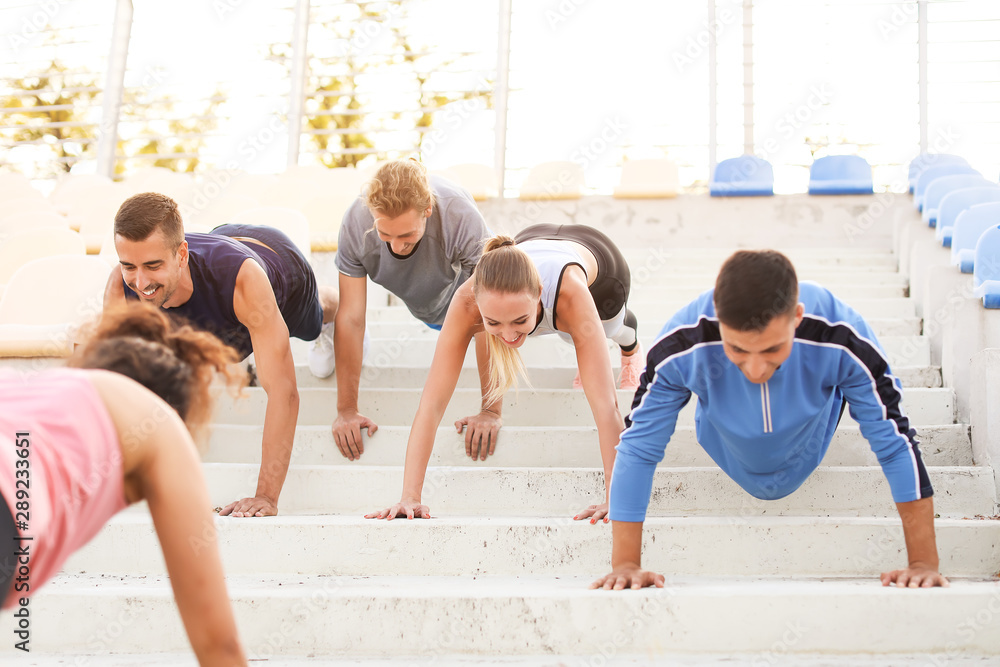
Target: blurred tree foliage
57	112
366	43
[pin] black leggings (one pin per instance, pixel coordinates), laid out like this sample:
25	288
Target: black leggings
9	543
611	288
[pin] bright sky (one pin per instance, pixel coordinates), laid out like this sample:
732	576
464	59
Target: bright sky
595	82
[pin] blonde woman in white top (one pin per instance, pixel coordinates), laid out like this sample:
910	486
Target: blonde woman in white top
569	280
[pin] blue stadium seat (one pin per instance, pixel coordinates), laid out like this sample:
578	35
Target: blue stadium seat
928	176
957	201
840	175
940	187
744	176
986	274
969	226
927	160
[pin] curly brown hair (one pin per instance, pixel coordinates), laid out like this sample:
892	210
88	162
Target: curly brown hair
173	360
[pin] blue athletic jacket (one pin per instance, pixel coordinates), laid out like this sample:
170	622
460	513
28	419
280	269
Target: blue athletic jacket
769	437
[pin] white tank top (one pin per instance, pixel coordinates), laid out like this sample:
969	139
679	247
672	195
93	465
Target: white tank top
551	258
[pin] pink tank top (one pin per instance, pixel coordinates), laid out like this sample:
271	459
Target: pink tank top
75	466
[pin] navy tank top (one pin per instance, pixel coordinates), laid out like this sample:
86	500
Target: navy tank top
215	261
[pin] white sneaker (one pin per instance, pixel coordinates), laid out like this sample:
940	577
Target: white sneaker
321	358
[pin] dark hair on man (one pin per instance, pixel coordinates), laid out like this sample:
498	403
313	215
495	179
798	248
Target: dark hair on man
754	287
143	214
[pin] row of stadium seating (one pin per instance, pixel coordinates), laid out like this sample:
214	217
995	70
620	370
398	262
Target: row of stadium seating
963	207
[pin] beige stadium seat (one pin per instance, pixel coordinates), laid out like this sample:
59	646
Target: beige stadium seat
324	214
72	185
479	179
292	192
288	220
251	185
45	303
26	222
648	179
12	207
20	248
553	180
16	186
219	211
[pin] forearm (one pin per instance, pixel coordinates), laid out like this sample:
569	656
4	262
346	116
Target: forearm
418	453
609	429
626	548
348	341
483	365
918	529
279	432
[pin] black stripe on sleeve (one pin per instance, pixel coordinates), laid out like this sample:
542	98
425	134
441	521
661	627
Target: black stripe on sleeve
889	396
674	342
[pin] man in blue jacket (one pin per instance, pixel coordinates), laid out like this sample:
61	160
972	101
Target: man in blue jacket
772	362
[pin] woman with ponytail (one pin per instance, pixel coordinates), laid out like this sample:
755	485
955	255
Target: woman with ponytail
568	280
107	432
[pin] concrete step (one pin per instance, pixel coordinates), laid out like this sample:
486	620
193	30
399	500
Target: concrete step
648	330
540	446
607	656
390	374
494	546
552	350
664	290
387	616
486	490
526	407
661	311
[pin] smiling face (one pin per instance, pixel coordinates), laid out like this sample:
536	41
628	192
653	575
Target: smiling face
151	268
508	316
403	232
759	353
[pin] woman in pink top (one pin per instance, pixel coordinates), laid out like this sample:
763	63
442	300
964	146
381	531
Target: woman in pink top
87	442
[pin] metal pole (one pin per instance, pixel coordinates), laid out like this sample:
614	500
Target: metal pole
114	87
501	92
748	77
300	64
922	70
713	122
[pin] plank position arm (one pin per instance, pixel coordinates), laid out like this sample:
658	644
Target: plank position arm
161	465
348	348
460	325
578	317
256	307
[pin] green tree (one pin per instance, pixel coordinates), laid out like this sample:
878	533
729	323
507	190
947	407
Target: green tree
53	109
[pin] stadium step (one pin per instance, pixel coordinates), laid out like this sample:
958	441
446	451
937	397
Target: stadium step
396	616
558	546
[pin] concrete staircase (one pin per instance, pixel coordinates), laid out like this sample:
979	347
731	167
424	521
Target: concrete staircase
500	574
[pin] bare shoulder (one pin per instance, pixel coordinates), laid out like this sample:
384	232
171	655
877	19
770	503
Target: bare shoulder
140	416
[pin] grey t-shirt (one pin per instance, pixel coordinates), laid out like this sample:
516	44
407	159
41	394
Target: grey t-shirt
426	279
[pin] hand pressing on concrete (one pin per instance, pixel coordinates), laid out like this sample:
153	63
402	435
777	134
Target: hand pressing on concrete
626	563
409	508
347	429
915	577
481	433
257	506
628	575
595	513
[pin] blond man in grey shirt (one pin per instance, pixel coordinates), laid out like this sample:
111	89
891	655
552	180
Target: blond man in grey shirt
420	237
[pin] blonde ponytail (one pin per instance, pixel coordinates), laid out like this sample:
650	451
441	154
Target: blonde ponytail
506	269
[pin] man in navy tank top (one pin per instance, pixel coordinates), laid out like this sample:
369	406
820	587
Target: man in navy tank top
253	306
773	363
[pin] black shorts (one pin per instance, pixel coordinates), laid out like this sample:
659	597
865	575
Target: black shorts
301	311
611	289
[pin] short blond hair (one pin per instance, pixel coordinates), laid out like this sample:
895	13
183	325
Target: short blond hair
397	187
